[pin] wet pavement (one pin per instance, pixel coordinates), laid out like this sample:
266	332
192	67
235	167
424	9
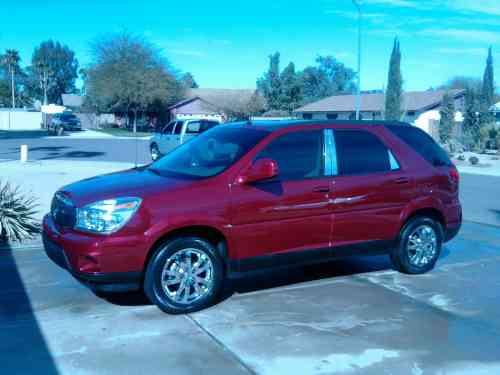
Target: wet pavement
352	316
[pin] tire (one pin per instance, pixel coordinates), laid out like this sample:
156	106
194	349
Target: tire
155	152
171	262
60	131
413	257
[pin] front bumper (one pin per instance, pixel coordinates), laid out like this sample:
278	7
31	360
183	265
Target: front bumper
83	263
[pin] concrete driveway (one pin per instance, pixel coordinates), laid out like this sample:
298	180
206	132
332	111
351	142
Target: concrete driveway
356	316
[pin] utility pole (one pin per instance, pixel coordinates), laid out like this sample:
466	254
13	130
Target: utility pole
357	4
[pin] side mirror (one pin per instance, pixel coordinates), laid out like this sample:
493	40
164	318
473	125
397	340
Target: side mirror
262	169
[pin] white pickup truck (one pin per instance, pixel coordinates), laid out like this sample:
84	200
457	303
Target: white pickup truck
175	133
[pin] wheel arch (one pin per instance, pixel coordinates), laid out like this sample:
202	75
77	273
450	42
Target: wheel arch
211	234
430	212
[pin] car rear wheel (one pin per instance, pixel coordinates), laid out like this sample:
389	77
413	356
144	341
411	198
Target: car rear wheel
184	275
155	152
419	246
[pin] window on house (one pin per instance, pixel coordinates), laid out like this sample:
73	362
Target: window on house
361	152
332	116
299	154
307	116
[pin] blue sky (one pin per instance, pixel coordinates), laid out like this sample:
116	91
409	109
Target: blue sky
226	43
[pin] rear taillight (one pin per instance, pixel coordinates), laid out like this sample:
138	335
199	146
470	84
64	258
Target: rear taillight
454	175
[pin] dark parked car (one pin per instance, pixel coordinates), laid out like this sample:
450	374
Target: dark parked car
250	196
62	122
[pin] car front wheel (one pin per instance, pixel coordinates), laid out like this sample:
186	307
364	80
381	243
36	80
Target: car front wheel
155	152
184	275
419	246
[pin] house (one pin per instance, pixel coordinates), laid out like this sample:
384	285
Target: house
421	108
209	103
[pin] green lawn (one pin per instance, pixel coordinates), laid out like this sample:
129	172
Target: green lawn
118	132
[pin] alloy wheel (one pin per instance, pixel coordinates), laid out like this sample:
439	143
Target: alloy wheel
422	245
188	275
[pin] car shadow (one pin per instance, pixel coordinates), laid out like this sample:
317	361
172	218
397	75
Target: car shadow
74	155
274	278
23	347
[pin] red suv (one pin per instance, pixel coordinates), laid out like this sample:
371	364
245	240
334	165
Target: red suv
250	196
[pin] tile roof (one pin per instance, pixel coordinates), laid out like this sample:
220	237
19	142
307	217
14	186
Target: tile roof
413	101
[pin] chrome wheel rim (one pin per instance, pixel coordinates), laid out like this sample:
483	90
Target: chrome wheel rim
188	275
422	246
154	153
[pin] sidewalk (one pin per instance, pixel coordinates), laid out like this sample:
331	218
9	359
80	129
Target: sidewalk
44	178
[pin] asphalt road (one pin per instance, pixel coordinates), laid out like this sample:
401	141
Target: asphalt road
103	149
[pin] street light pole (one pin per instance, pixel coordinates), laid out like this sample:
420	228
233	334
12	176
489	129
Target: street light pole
357	4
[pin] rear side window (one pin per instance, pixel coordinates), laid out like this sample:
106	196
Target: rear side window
193	127
299	154
422	143
361	152
205	125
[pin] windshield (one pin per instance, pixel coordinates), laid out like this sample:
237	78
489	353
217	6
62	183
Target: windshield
210	153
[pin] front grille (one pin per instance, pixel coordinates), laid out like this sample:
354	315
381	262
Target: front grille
63	212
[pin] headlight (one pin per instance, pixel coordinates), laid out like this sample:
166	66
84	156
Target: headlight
106	216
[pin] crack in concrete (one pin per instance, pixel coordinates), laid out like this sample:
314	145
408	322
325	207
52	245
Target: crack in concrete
221	345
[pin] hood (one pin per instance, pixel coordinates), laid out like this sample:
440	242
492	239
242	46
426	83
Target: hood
139	182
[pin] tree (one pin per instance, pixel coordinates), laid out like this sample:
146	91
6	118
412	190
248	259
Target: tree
188	81
447	121
394	93
487	93
471	126
128	74
56	65
269	85
287	90
462	83
11	60
291	90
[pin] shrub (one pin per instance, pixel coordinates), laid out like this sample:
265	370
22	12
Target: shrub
473	160
17	214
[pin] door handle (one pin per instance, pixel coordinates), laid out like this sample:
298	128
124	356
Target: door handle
321	189
402	180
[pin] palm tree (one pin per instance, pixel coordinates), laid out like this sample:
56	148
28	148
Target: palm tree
11	59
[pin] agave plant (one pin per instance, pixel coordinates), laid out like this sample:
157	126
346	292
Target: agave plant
17	214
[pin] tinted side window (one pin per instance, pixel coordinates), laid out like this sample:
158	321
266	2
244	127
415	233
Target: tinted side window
360	152
299	154
422	143
169	128
178	127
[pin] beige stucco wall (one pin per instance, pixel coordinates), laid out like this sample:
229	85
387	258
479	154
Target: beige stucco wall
20	120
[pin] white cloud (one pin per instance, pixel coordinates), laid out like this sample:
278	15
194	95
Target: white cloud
464	35
480	6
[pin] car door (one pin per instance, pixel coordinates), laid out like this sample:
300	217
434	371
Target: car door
191	130
175	138
288	214
368	192
164	138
